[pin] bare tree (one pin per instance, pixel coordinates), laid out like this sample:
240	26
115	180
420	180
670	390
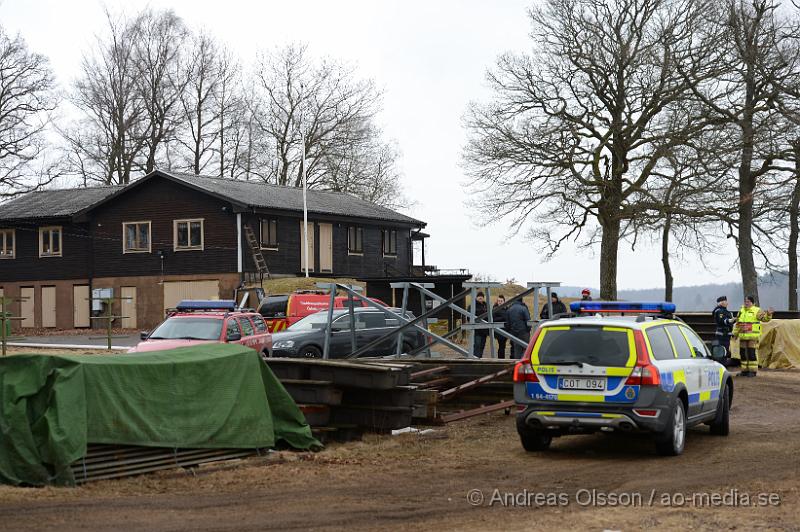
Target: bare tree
204	112
321	106
128	93
744	95
27	99
578	126
106	142
161	76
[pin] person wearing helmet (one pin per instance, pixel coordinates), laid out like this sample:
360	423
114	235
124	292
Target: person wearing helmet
586	295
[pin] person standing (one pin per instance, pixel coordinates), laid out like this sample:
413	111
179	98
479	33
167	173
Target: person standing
748	330
723	320
500	314
558	307
480	334
586	295
517	324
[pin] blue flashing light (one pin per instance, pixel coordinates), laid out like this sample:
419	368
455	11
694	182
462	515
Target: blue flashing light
623	307
207	304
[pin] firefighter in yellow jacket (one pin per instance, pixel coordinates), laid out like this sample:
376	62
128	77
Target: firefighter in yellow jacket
748	330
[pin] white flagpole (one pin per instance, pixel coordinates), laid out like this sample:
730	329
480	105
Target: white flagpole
305	190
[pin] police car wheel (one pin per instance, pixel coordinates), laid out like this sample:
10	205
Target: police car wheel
671	441
721	424
534	440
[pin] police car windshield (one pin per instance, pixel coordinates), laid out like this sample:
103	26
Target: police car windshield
597	346
188	329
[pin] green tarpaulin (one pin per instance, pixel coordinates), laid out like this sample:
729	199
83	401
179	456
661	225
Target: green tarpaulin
208	396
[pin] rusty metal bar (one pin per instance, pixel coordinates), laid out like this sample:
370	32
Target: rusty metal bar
452	392
429	372
464	414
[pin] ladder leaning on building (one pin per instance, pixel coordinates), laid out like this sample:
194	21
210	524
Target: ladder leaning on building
258	258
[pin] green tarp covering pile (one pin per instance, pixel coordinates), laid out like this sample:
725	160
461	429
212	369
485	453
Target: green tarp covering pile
209	396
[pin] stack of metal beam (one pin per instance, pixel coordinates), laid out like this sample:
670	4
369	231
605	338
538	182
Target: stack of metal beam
449	390
115	461
342	400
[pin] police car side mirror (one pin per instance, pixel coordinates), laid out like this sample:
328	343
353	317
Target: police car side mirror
718	353
143	335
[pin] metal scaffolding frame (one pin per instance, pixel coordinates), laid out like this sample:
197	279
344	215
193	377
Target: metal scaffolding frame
473	321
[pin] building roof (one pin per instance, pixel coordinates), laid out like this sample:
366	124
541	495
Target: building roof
248	194
54	203
265	196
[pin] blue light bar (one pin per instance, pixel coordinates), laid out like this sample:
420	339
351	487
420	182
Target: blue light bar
207	304
623	307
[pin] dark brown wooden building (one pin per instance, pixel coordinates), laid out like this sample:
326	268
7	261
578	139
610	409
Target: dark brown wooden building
170	236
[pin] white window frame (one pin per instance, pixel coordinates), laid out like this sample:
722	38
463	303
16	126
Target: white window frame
149	249
50	229
384	234
358	253
261	233
188	221
4	250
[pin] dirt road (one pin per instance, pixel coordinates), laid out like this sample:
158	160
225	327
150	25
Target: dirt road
419	482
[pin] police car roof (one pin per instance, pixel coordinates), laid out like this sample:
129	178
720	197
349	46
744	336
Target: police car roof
628	321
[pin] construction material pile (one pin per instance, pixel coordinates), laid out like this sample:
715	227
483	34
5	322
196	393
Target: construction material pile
55	409
342	400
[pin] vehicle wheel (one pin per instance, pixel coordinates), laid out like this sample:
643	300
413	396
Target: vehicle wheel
534	440
671	441
721	424
311	351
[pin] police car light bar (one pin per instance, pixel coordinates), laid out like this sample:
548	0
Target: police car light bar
207	304
623	307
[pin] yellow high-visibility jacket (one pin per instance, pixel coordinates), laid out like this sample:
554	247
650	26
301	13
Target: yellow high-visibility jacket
748	326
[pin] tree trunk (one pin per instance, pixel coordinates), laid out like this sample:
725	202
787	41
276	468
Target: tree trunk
665	258
746	191
794	211
609	246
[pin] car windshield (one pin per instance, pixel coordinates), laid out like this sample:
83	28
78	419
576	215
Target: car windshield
188	329
312	321
598	346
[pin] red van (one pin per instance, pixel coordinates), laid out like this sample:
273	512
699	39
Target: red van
282	310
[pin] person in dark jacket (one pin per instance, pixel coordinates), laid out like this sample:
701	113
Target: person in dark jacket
558	307
480	334
498	315
586	295
723	320
517	324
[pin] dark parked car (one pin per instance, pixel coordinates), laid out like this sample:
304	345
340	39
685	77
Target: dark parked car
306	337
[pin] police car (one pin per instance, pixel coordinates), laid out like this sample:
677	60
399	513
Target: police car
636	370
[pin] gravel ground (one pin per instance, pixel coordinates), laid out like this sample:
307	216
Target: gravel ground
410	481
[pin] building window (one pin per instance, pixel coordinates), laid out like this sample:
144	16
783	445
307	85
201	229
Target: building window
389	243
50	241
7	243
355	240
188	234
269	234
136	237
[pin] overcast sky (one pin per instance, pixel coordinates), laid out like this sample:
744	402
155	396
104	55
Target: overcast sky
430	58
